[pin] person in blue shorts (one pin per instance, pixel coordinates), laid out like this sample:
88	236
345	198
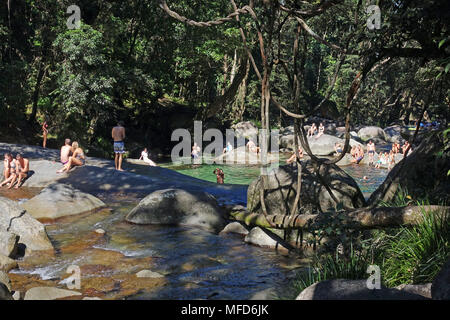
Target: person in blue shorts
118	135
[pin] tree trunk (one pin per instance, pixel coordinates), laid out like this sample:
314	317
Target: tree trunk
365	218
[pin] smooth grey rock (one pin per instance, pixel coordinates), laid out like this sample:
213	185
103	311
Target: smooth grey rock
6	263
8	243
179	207
342	289
322	146
148	274
440	289
17	295
420	289
246	130
281	188
261	238
5	294
235	227
60	200
15	219
99	177
5	280
49	293
371	132
393	133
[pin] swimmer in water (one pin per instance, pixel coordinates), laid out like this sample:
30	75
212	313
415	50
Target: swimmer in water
220	175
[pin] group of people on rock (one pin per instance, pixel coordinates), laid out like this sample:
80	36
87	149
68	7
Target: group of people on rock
15	170
313	129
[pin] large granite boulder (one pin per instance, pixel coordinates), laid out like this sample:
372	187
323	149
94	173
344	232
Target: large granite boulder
246	130
424	172
6	263
342	289
372	132
5	294
393	133
8	243
281	188
322	146
16	220
440	289
60	200
179	207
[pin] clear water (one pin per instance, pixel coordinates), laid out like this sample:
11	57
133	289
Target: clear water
196	264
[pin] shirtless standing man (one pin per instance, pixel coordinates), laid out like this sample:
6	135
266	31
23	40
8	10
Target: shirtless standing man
118	134
66	151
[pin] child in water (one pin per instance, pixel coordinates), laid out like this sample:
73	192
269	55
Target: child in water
220	175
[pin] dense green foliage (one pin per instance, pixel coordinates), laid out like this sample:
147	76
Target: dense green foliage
131	61
405	256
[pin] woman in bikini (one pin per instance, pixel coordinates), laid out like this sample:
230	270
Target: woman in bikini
9	171
312	130
44	134
77	158
321	130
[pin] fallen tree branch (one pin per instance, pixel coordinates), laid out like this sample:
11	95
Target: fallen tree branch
365	218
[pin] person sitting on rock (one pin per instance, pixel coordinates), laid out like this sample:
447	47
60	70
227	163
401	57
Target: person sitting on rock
220	175
251	146
381	160
22	168
144	156
228	148
9	169
77	158
66	152
359	155
195	151
312	130
338	148
293	158
405	147
391	160
321	130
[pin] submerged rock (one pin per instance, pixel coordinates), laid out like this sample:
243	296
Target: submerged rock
179	207
49	293
60	200
148	274
16	220
282	184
